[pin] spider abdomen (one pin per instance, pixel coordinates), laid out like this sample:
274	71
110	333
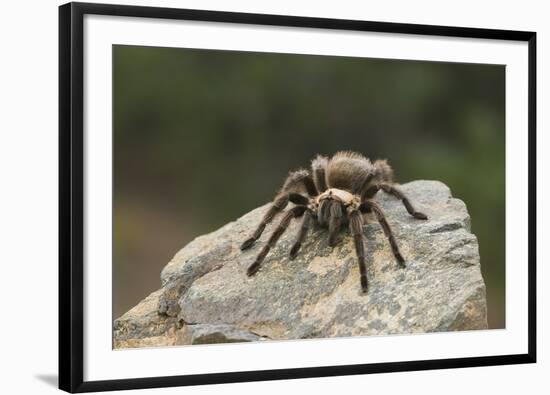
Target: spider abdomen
348	171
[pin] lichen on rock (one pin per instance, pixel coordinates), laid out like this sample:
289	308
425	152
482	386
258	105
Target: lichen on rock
206	296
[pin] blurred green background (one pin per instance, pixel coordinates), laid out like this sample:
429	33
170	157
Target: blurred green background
202	137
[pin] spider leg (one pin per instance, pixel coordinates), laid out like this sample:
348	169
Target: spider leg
381	217
334	222
299	180
295	182
365	188
319	169
301	235
278	205
295	212
323	213
388	188
356	230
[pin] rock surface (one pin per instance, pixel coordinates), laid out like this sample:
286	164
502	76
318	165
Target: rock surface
206	296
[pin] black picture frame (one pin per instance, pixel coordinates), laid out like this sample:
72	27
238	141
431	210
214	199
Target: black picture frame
71	197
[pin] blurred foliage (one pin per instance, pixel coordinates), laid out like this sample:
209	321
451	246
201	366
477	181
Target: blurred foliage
203	136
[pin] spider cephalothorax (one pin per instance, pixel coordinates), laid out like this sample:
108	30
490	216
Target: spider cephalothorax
337	192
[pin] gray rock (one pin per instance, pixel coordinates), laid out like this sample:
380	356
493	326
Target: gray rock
143	326
209	334
207	297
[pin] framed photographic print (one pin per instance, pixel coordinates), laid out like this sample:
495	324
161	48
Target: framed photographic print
250	197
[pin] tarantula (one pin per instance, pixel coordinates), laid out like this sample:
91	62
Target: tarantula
340	190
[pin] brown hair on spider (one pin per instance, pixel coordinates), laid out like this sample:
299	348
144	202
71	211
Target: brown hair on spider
334	193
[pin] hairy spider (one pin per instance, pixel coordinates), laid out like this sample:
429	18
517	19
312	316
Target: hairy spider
340	190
